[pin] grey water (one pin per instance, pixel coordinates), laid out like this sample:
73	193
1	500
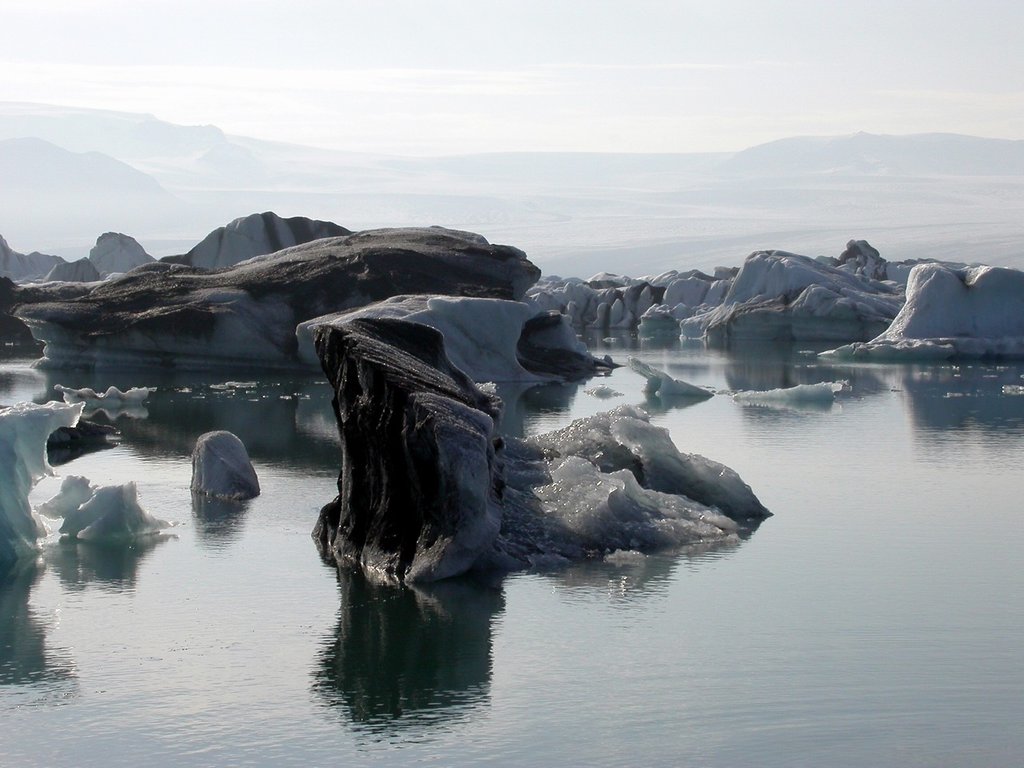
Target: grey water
876	619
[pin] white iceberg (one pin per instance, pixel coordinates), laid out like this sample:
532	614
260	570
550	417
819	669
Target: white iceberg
221	467
951	312
661	384
112	397
74	492
789	297
24	429
487	339
111	514
823	393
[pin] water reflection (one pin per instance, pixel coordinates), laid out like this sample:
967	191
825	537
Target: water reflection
112	566
948	403
406	657
522	403
218	521
25	659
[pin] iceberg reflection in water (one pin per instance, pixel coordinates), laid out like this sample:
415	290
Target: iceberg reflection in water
409	657
876	615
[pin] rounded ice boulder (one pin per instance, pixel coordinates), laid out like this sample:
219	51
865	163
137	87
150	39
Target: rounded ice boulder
221	467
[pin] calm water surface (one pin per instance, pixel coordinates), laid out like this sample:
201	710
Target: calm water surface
876	619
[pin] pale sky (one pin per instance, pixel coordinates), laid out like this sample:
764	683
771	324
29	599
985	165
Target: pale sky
455	76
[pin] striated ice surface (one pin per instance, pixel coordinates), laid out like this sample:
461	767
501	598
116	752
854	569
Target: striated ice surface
112	513
221	467
24	429
481	336
661	384
786	296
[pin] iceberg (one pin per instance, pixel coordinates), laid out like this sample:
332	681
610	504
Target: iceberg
490	340
221	467
116	253
951	312
111	514
24	429
179	316
788	297
661	384
255	235
74	492
428	489
111	398
823	393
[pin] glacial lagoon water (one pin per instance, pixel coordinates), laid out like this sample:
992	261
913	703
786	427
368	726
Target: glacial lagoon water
877	618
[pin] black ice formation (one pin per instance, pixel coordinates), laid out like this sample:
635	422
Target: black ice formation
174	315
428	488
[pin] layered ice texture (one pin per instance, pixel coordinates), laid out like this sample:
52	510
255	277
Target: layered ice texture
182	316
951	312
487	339
782	296
428	488
24	429
221	467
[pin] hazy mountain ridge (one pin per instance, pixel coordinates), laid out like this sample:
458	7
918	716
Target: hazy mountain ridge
930	195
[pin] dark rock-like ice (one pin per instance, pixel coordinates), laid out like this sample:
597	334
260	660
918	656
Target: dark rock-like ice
428	488
172	315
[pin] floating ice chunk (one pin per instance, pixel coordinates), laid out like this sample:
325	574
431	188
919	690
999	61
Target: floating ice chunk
112	513
951	312
135	396
24	429
815	394
227	385
603	392
611	511
661	384
221	467
74	492
1013	389
624	438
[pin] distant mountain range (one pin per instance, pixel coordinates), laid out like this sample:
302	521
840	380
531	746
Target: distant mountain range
68	174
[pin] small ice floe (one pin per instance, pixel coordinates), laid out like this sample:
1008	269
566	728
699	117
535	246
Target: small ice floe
1013	389
811	395
74	492
227	385
661	384
603	392
112	513
113	402
221	467
113	396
